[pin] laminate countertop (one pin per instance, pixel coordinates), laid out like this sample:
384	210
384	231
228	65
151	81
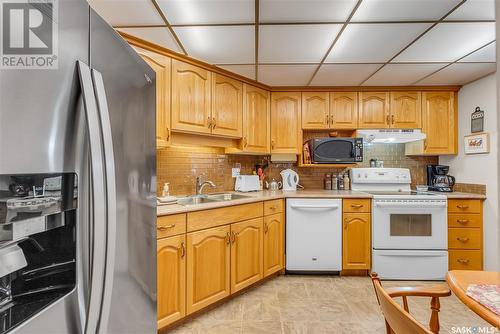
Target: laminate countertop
163	210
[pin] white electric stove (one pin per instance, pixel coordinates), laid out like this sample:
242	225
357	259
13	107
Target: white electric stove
409	229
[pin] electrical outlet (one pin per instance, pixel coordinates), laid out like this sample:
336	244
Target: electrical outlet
235	172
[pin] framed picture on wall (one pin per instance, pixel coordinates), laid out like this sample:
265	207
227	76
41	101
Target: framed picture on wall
477	143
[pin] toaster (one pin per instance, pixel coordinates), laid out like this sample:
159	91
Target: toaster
246	183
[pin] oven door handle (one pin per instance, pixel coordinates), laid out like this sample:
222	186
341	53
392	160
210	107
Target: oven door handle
410	205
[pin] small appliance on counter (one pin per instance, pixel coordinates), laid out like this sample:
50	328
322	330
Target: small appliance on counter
335	150
290	179
438	178
247	183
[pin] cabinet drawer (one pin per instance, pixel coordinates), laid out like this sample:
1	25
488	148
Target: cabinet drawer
465	260
272	207
465	220
199	220
464	238
167	226
464	205
356	205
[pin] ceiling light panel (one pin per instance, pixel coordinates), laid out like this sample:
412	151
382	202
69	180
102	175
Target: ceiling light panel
247	71
474	10
208	11
296	43
305	10
224	45
403	10
401	74
486	54
459	74
447	42
126	12
343	74
371	43
286	75
160	36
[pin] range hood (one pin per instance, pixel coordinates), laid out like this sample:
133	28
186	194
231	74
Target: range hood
391	136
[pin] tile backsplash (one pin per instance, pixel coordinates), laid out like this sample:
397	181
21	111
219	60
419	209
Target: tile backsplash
179	165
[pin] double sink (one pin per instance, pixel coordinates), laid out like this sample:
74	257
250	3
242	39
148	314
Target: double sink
212	198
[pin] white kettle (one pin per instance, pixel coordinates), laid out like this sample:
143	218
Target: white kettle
290	179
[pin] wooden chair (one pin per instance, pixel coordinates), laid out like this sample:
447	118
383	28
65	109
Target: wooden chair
399	320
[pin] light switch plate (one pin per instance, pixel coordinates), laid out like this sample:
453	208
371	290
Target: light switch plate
235	172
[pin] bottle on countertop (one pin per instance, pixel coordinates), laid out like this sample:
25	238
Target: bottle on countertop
166	190
335	181
347	182
327	181
341	182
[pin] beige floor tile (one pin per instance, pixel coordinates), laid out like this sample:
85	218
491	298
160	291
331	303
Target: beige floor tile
303	327
295	290
262	327
261	309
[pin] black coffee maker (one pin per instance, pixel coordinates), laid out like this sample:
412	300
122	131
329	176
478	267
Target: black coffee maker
438	178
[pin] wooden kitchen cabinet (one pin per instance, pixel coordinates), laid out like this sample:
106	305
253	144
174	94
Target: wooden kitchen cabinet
315	110
285	122
373	110
162	67
343	110
227	106
406	110
256	120
274	240
356	241
208	267
171	276
191	98
246	253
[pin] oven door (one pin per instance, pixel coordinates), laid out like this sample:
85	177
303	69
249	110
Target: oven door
334	151
410	224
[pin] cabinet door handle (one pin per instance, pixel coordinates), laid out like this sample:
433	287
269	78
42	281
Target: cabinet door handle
166	227
425	144
388	119
327	120
392	118
214	123
233	237
463	239
168	134
463	261
245	142
346	221
228	238
183	250
357	206
209	122
462	221
266	228
272	144
463	207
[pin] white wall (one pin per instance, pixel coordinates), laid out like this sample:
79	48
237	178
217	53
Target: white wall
480	168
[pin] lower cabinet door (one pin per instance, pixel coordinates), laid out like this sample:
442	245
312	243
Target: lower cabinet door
246	253
171	271
356	241
273	243
208	267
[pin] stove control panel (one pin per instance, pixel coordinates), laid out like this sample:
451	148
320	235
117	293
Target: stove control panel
381	175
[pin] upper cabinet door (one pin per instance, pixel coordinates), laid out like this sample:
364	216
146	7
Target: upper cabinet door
344	110
190	98
162	67
373	110
285	122
227	106
256	120
406	110
439	122
315	110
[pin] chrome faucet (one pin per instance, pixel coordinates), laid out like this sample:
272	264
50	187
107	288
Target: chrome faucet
200	185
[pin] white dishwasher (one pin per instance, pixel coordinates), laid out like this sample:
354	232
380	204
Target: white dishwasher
313	235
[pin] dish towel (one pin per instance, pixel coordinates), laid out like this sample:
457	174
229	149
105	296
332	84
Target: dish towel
487	295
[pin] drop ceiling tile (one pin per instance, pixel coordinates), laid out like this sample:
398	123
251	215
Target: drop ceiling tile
343	74
486	54
474	10
286	75
459	74
296	43
159	36
403	10
223	45
372	43
247	71
401	74
208	11
305	10
126	12
448	42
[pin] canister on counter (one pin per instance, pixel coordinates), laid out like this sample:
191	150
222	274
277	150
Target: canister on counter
328	181
335	181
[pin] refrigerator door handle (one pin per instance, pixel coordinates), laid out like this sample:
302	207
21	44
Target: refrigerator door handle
102	106
98	199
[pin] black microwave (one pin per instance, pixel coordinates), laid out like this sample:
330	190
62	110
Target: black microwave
335	150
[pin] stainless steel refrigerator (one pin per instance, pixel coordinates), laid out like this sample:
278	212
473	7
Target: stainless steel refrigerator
77	186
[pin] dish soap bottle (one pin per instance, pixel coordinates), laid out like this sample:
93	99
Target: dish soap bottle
347	182
166	190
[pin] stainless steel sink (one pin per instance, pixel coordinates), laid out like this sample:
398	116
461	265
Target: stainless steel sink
226	196
200	199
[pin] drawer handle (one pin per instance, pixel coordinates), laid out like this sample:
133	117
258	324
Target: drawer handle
166	227
183	250
273	207
463	207
463	239
357	206
464	261
462	221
